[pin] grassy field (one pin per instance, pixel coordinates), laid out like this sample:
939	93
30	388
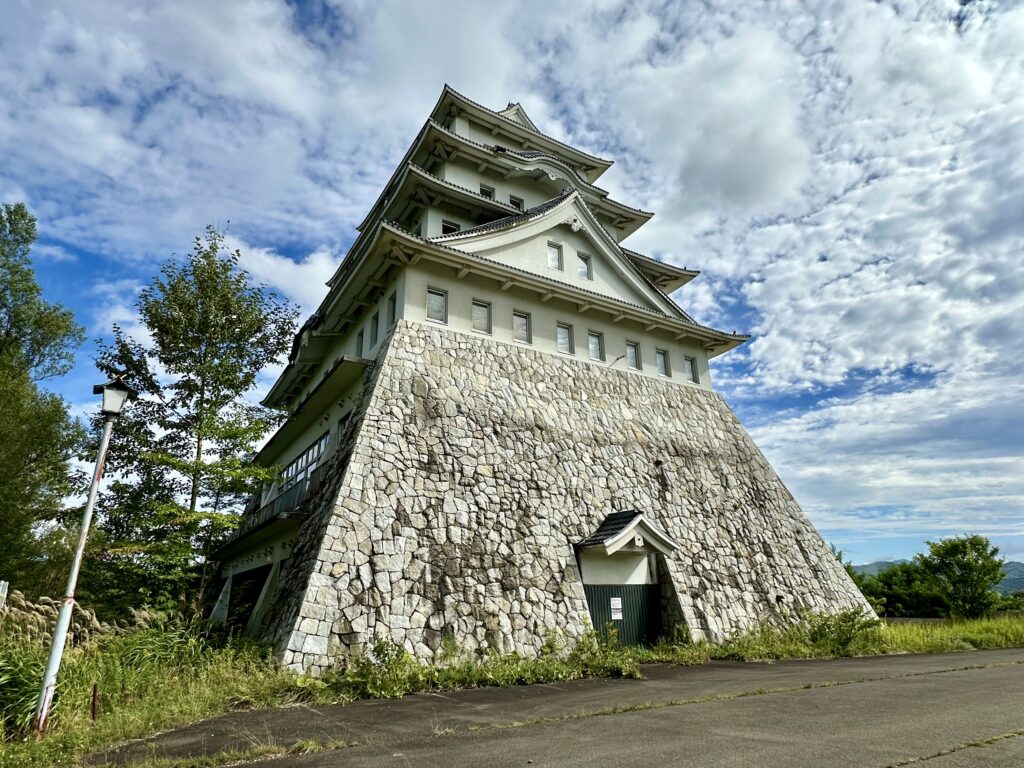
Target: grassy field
154	678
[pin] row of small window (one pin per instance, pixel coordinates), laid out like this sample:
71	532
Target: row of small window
515	202
522	331
375	325
584	264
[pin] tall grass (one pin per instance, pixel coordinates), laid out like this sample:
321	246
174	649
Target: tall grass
936	637
147	679
168	674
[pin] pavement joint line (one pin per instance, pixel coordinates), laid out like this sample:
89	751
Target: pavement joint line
646	706
959	748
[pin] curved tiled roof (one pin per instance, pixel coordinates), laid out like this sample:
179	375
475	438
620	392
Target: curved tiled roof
658	262
520	126
611	527
538	155
510	221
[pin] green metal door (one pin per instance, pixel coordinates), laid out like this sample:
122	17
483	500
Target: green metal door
638	604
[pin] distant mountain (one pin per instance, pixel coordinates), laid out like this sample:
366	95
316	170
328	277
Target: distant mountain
870	569
1013	581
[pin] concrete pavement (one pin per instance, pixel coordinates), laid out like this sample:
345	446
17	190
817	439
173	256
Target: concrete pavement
942	711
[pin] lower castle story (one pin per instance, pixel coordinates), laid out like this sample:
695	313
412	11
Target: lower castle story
496	495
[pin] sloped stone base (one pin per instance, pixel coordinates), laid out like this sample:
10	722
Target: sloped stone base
477	466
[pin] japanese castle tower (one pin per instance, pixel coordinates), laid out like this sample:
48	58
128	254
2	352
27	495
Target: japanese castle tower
501	428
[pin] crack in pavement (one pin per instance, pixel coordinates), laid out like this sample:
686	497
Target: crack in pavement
958	748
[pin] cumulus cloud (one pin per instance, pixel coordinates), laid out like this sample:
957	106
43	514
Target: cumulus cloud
849	178
303	282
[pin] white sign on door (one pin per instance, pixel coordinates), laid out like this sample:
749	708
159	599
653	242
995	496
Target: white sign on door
616	609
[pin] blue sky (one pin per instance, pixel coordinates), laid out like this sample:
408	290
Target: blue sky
848	176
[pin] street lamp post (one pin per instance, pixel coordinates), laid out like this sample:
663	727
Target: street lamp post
115	394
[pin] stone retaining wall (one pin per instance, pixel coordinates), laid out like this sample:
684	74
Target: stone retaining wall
476	468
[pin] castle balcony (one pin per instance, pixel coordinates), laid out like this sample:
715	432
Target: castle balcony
282	514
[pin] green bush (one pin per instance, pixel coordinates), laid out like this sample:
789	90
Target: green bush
389	671
842	633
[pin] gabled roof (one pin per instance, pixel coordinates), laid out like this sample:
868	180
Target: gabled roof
569	207
515	111
618	529
451	100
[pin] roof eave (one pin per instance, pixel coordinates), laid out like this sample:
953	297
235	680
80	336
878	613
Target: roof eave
719	340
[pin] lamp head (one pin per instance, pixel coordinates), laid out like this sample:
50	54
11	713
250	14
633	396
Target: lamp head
115	394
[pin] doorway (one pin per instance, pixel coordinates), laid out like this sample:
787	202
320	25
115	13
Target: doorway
618	563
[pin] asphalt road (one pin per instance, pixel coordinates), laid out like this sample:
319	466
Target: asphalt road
932	711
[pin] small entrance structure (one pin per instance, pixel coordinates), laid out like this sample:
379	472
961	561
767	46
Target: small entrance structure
618	563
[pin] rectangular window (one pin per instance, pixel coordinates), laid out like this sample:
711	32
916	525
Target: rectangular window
563	335
374	329
392	309
555	256
486	191
437	305
633	356
595	344
521	327
661	360
690	368
481	316
449	227
515	202
359	344
303	466
584	266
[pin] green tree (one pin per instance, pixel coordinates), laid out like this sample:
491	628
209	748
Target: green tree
36	337
182	451
965	571
904	590
38	437
1012	602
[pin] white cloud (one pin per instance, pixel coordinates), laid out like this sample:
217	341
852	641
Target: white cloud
849	178
52	253
303	282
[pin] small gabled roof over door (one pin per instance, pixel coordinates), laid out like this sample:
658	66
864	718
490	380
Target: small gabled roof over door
620	528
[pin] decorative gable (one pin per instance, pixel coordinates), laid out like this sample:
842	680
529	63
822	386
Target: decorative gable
589	257
515	111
